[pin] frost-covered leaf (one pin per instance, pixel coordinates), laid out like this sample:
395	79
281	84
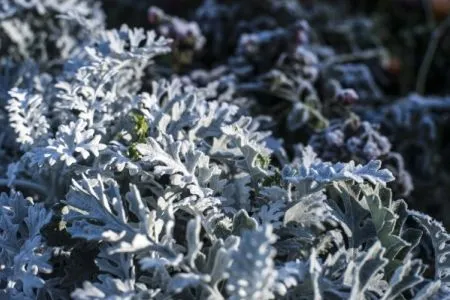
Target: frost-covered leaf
354	217
73	143
99	82
255	156
311	174
389	218
219	260
253	273
363	273
404	278
27	117
24	256
243	222
236	192
117	281
310	210
98	212
193	241
428	291
440	243
184	280
344	275
271	213
189	170
289	275
107	288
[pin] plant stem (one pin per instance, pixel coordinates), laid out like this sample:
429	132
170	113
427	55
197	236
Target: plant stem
429	55
25	184
351	57
428	8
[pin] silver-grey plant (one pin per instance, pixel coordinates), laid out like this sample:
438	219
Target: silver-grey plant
154	188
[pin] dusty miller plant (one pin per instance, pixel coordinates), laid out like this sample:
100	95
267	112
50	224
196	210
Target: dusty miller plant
121	186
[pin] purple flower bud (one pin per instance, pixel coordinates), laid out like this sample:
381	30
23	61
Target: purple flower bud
347	96
154	15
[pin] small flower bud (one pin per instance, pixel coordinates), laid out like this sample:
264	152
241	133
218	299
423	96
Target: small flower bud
347	96
154	15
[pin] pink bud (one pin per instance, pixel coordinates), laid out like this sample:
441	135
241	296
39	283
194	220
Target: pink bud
347	96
